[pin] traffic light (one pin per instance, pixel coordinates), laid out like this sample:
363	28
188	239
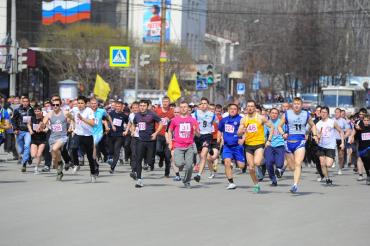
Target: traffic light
22	59
210	76
143	59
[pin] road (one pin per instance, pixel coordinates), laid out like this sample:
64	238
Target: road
37	210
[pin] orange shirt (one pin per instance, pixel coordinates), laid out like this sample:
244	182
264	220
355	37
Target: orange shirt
165	117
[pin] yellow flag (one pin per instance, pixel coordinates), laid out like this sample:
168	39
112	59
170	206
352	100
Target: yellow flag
101	89
173	91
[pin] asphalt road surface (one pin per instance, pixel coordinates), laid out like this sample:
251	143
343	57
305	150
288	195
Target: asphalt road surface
37	210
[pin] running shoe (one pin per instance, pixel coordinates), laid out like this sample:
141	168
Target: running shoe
231	186
75	169
368	180
256	188
23	169
145	167
60	176
177	178
329	182
187	185
93	178
197	178
320	179
340	172
160	164
133	175
36	171
139	183
360	178
212	176
278	173
45	169
294	189
111	171
274	183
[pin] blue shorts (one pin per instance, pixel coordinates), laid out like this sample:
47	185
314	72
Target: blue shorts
233	152
291	147
97	138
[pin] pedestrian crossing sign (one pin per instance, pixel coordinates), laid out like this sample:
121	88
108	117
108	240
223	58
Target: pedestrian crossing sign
119	56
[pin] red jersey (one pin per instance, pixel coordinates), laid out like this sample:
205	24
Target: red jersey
165	118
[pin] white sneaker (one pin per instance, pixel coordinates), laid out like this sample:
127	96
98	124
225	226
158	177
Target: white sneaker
360	178
319	179
212	176
340	172
333	165
36	171
93	178
139	183
75	169
231	186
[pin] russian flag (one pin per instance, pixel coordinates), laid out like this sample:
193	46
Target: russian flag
65	12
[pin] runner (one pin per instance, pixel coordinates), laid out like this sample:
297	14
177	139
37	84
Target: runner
327	142
205	119
176	112
233	149
145	122
57	119
38	136
347	132
22	115
117	133
362	133
162	150
83	130
214	152
134	137
4	123
183	128
274	154
99	114
252	126
296	120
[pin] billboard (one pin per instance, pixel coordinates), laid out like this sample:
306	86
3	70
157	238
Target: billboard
152	21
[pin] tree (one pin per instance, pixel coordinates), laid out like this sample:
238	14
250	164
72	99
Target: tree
81	51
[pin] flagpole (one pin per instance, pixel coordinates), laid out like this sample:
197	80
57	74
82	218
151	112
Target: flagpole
136	73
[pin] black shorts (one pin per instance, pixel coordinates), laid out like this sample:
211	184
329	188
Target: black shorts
326	152
204	141
38	142
251	149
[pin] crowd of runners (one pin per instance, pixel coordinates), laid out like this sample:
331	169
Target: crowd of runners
186	138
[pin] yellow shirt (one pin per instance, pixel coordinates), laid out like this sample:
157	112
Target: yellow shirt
255	133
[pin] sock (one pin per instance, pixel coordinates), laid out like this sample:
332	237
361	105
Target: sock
231	181
177	174
199	174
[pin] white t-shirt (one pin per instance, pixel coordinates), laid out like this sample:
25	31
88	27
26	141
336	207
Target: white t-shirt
327	133
81	128
131	119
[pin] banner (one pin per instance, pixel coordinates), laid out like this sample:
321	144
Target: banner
152	21
65	12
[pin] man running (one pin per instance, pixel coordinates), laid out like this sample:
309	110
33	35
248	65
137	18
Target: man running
205	119
183	128
327	142
134	132
117	133
162	150
296	120
252	126
145	121
57	120
21	117
233	149
83	134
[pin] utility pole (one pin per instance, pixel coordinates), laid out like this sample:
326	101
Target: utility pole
162	44
13	50
136	73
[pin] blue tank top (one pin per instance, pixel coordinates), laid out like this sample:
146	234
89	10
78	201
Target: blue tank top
277	140
296	124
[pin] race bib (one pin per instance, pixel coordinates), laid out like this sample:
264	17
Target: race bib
365	136
141	126
96	121
184	130
35	127
229	128
117	122
164	121
276	132
252	128
26	119
56	127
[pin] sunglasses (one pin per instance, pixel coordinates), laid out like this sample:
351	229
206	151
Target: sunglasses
55	105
